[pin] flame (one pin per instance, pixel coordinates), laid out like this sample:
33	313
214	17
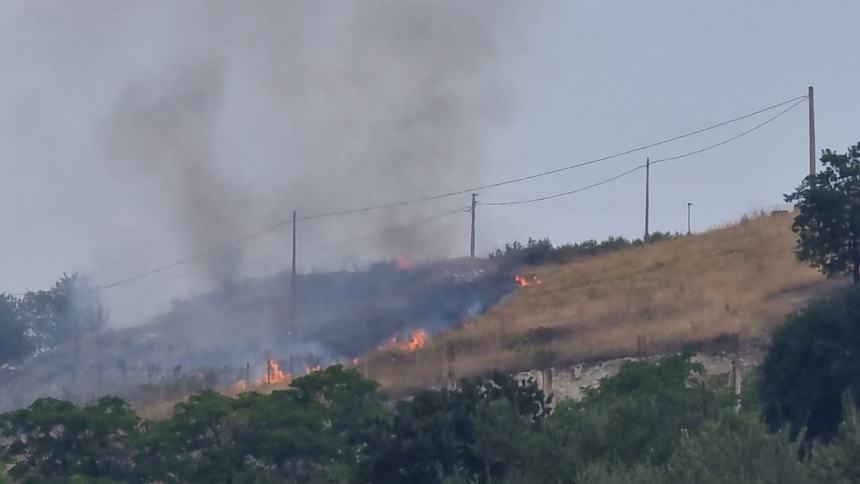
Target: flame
403	262
275	374
415	342
240	385
524	281
312	369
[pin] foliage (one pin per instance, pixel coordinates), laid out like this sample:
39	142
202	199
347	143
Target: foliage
639	414
314	432
838	463
828	215
652	423
67	310
14	344
41	320
732	449
811	363
55	440
537	252
437	433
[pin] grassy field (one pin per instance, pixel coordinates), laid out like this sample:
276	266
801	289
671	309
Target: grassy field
733	283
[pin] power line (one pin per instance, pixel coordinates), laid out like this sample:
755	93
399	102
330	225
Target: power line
239	240
654	162
550	172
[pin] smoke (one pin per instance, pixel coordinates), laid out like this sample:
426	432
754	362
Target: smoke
215	118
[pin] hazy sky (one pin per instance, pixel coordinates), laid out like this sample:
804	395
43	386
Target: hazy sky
133	134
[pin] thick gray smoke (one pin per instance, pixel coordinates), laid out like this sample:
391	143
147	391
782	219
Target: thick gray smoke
249	113
179	126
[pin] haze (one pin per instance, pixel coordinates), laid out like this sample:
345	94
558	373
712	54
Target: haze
136	134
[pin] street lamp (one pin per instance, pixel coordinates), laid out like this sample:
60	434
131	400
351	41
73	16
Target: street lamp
689	204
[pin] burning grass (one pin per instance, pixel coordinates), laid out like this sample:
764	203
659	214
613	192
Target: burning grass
737	280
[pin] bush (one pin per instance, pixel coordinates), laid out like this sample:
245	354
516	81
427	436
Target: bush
811	363
639	414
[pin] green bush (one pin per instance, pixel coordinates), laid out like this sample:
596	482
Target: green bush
639	414
811	363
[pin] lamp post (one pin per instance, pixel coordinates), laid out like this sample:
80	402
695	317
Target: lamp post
689	204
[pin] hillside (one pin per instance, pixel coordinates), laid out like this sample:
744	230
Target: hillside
729	285
219	339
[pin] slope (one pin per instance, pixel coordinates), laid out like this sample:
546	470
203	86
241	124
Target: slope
729	284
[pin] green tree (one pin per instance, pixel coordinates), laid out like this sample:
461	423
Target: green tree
828	215
14	344
438	433
70	308
317	431
639	414
811	363
54	440
729	450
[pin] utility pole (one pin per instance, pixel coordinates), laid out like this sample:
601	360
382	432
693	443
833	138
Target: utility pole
647	193
293	301
472	243
689	204
811	101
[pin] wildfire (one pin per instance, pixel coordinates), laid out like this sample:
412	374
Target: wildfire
416	341
524	281
275	374
240	386
312	369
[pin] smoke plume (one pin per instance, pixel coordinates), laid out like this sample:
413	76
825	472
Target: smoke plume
218	117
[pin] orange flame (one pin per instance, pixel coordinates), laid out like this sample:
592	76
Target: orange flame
524	281
415	342
275	374
312	369
240	386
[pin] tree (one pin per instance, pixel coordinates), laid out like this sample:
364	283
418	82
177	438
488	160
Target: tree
439	433
67	310
54	440
639	414
14	344
729	450
812	362
828	215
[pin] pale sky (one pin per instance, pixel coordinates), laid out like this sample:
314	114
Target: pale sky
468	95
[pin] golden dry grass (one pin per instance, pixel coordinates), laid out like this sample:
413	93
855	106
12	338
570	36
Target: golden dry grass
737	280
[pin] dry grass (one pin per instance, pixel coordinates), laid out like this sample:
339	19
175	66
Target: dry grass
737	280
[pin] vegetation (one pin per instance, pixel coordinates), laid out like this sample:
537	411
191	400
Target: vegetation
537	252
740	280
39	321
653	422
812	363
828	215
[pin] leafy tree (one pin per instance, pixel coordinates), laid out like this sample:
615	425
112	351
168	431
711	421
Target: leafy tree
435	434
811	363
828	218
67	310
639	414
837	463
14	344
732	449
54	440
315	432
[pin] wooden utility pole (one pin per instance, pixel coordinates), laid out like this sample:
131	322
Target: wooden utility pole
472	242
689	204
293	302
647	193
811	100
